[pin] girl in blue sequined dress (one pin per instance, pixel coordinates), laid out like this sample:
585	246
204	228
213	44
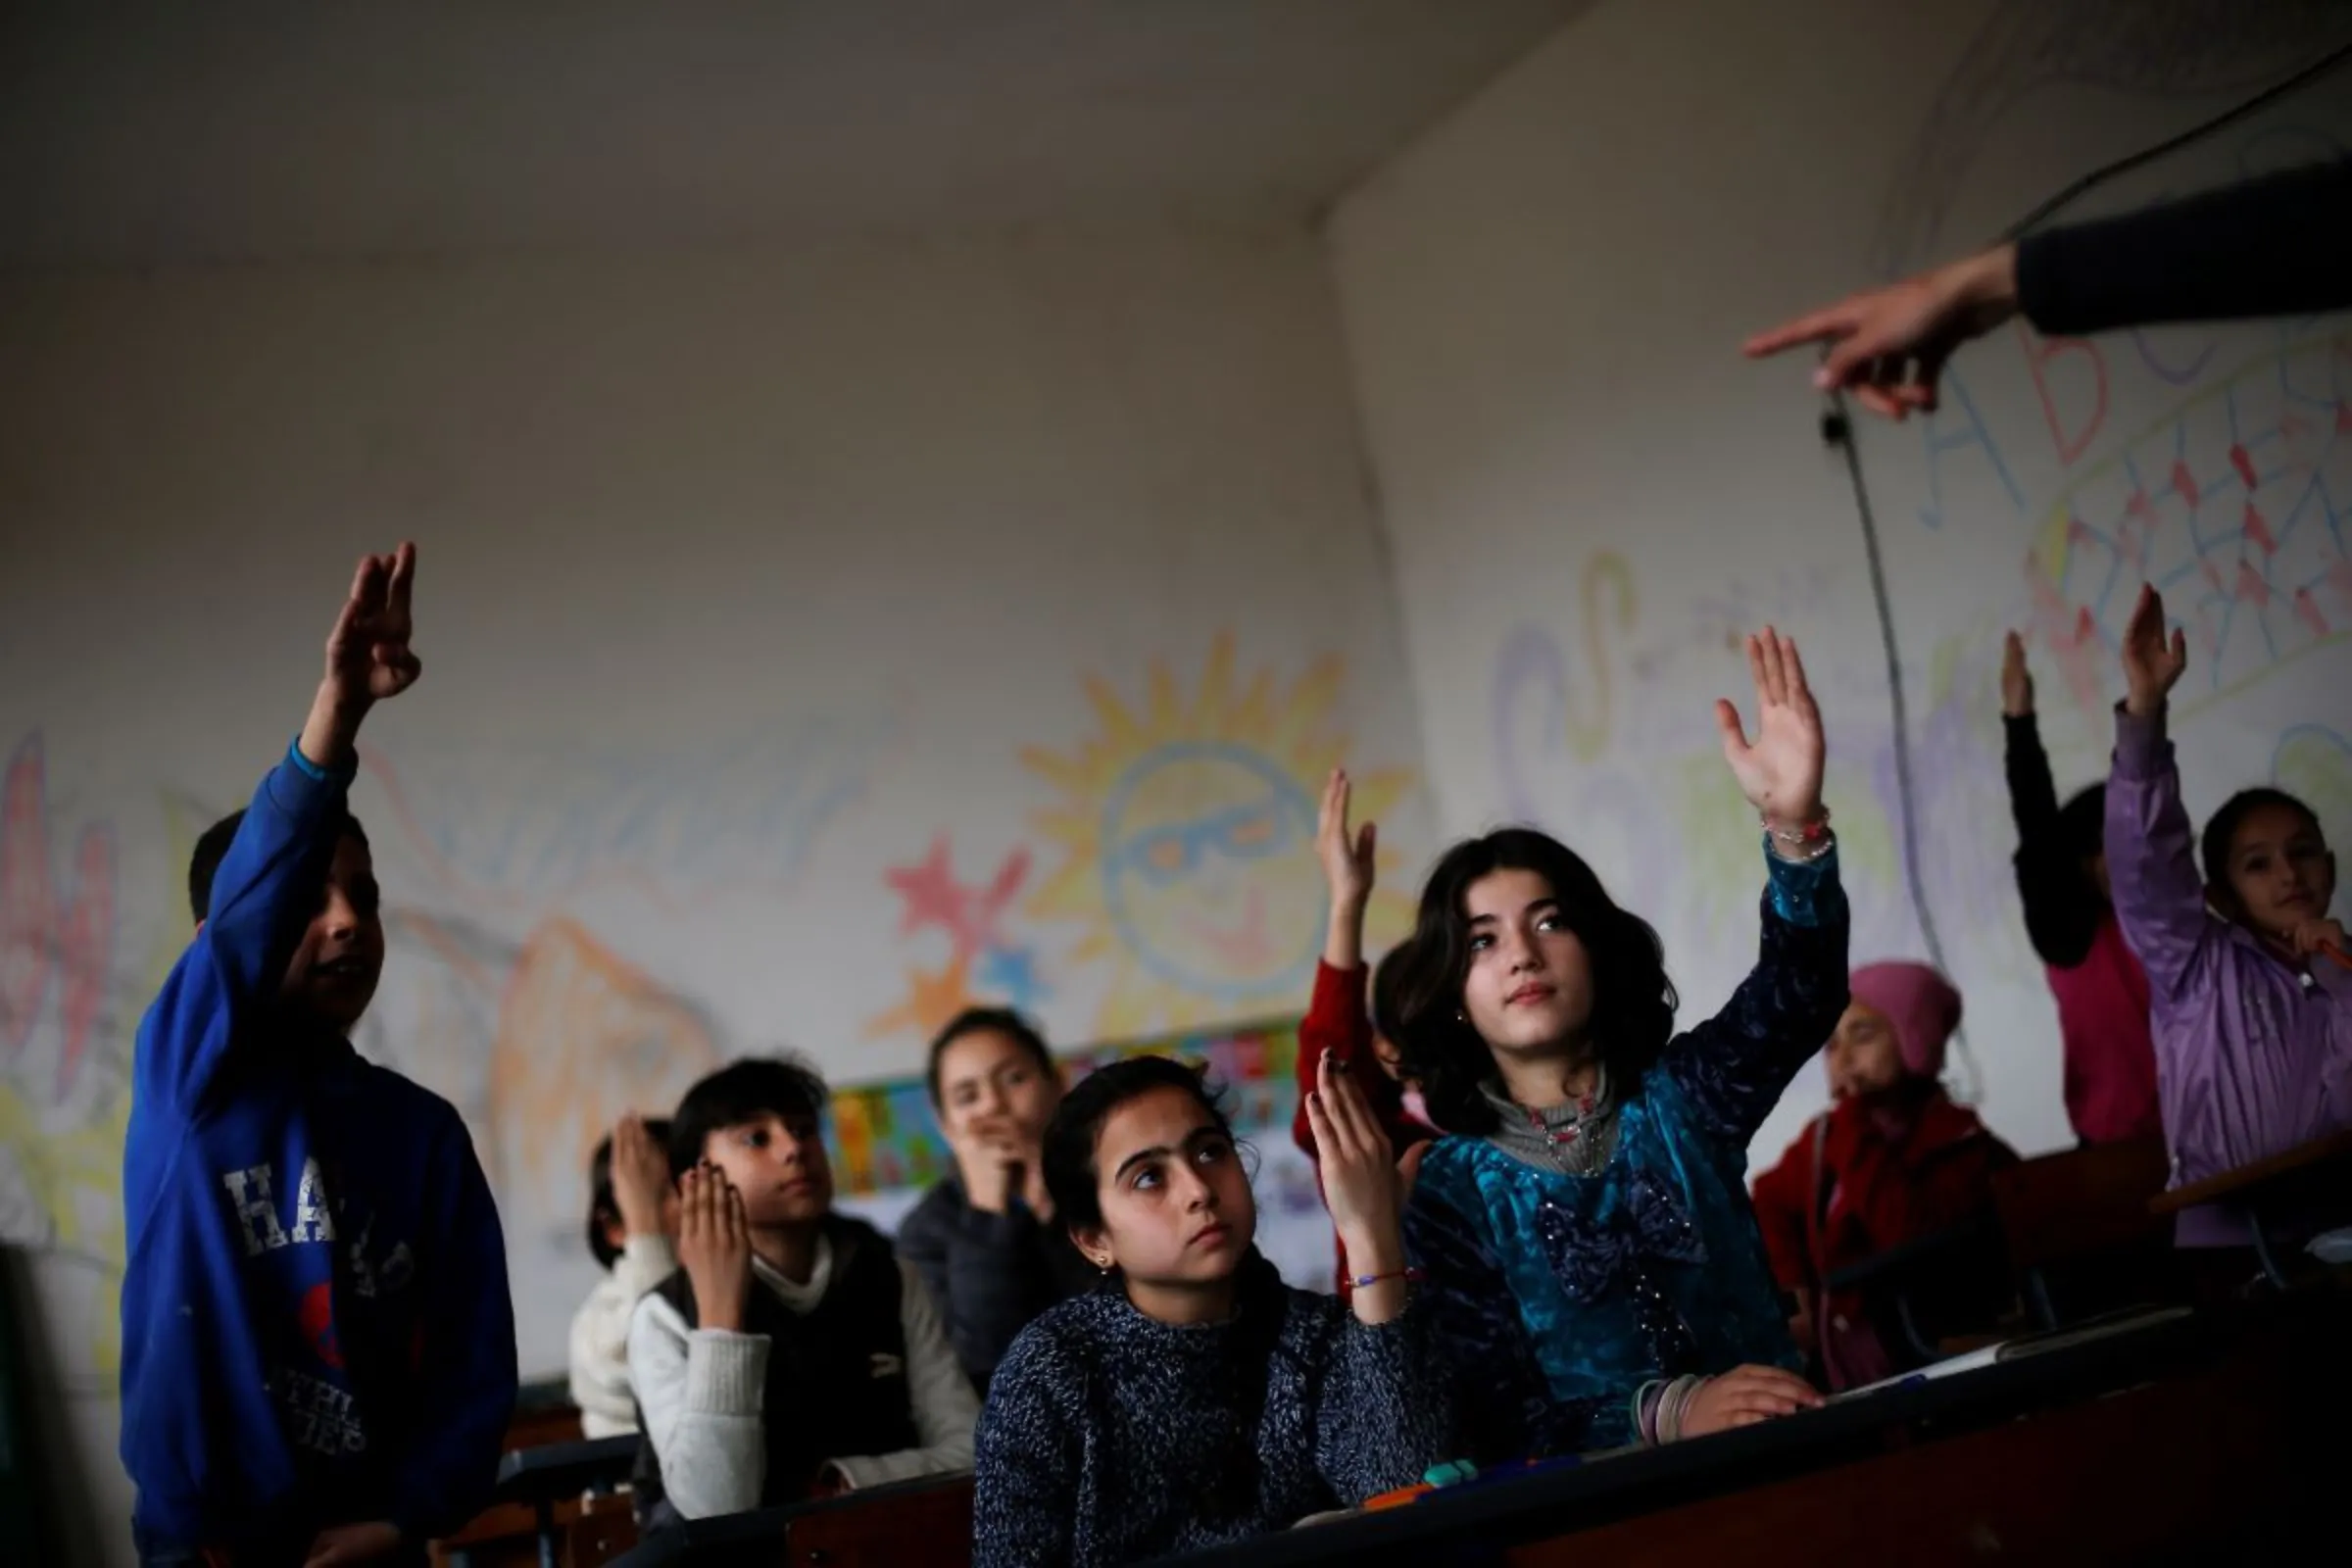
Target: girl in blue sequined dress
1594	1266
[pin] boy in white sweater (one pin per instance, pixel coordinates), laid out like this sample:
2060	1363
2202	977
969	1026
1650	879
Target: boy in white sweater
792	1355
632	1220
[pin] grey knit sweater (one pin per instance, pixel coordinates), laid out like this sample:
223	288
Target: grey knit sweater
1112	1438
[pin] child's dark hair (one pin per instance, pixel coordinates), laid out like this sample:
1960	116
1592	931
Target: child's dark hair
994	1020
212	847
2213	844
1069	1141
740	1091
1387	1004
603	1208
1070	1177
2083	823
1633	1000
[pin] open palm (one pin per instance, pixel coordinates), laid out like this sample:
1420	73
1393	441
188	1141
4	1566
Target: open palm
2152	662
1779	771
1350	858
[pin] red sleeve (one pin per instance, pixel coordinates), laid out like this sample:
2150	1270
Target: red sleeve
1337	1021
1781	1195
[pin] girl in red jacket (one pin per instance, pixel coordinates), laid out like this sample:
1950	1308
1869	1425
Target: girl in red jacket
1338	1022
1892	1160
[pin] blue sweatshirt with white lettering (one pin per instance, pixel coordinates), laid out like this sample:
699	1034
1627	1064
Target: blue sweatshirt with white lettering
315	1324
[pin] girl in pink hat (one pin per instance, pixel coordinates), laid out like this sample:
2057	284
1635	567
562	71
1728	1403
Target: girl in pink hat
1892	1160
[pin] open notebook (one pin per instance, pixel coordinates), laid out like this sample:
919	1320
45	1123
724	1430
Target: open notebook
2130	1320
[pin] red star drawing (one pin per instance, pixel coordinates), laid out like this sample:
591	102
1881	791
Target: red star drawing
968	914
931	892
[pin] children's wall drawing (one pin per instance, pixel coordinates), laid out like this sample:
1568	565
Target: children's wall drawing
74	973
1184	831
2236	506
984	960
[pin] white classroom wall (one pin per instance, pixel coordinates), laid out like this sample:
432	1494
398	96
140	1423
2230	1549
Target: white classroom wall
751	578
745	581
1590	495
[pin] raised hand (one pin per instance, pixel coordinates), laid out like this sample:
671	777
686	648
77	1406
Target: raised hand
1347	871
367	654
1780	772
715	1246
1746	1395
1888	345
641	1184
2017	681
2151	663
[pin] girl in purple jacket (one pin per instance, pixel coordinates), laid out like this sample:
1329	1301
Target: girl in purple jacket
2250	999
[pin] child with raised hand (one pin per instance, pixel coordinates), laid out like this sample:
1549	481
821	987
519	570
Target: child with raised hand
2252	1024
1195	1399
791	1354
1338	1023
1585	1223
2101	991
632	1229
1893	1160
318	1344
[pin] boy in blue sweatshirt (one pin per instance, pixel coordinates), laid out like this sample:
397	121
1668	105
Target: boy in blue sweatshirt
318	1344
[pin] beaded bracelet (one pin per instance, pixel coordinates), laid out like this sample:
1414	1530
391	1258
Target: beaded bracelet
1803	833
1410	1276
1806	855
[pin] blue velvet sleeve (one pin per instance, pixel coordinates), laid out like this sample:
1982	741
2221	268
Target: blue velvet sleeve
1503	1408
1734	1067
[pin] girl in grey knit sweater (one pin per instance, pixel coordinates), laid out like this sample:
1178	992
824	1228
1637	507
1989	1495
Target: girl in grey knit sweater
1195	1399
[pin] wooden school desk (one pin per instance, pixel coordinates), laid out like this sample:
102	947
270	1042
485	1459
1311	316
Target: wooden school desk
912	1524
516	1527
545	1480
2200	1439
2316	1175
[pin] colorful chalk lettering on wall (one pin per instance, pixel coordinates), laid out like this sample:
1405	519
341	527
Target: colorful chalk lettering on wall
1651	791
1186	829
2236	506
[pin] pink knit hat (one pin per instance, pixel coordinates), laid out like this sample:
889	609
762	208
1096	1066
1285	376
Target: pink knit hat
1921	1004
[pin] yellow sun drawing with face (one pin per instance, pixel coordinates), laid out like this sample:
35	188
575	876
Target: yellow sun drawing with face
1189	833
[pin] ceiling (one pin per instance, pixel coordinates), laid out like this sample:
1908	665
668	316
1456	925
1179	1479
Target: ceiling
156	134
